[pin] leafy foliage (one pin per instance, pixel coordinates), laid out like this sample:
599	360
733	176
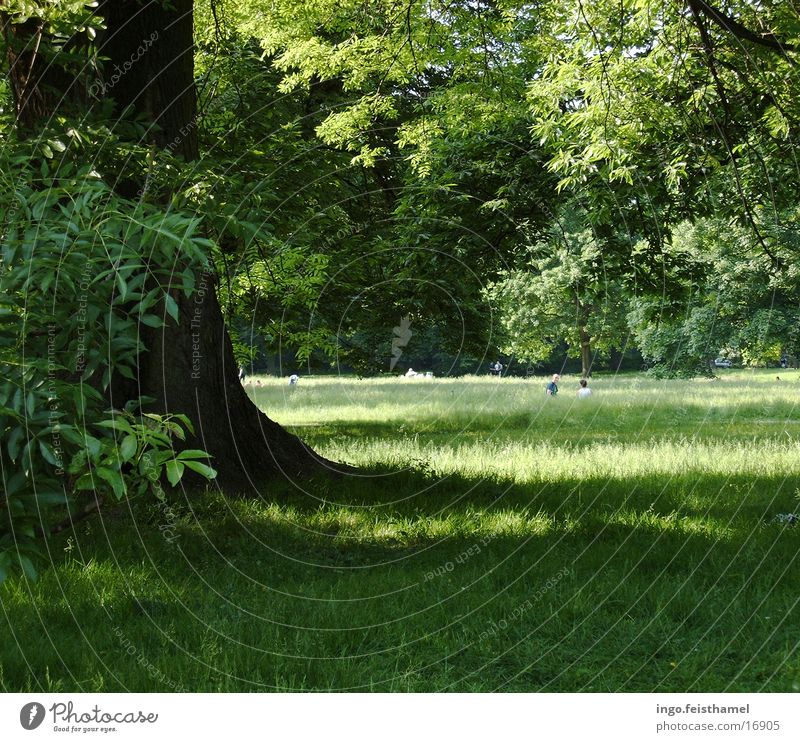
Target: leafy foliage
83	273
732	300
368	161
568	293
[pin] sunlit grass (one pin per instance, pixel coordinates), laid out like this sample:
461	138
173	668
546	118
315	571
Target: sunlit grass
744	423
396	398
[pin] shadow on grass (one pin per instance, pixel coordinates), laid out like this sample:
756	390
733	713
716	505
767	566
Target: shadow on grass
415	523
658	416
295	591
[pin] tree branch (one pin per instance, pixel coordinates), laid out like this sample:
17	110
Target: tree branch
731	25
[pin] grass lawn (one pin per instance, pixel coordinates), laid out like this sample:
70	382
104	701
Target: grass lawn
495	539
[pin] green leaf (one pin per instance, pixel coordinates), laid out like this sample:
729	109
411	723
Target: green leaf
188	281
193	453
202	469
15	442
93	445
176	430
48	454
14	483
85	482
187	423
148	466
116	424
51	498
134	404
114	478
122	286
172	306
128	447
27	567
174	471
151	320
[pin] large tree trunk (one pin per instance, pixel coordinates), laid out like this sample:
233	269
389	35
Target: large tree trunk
189	367
150	49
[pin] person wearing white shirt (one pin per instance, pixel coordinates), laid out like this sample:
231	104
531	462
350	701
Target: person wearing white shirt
583	390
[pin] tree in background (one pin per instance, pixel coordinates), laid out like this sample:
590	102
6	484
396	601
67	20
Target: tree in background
566	295
656	114
732	301
430	99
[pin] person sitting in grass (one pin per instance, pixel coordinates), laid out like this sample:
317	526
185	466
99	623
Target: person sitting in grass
552	388
583	390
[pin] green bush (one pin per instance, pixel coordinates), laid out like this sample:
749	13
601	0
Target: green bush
82	269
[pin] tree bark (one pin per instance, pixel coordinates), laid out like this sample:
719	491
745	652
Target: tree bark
186	367
189	367
39	87
150	49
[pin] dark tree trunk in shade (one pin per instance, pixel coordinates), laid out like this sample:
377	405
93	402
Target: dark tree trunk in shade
190	368
187	367
150	49
39	87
